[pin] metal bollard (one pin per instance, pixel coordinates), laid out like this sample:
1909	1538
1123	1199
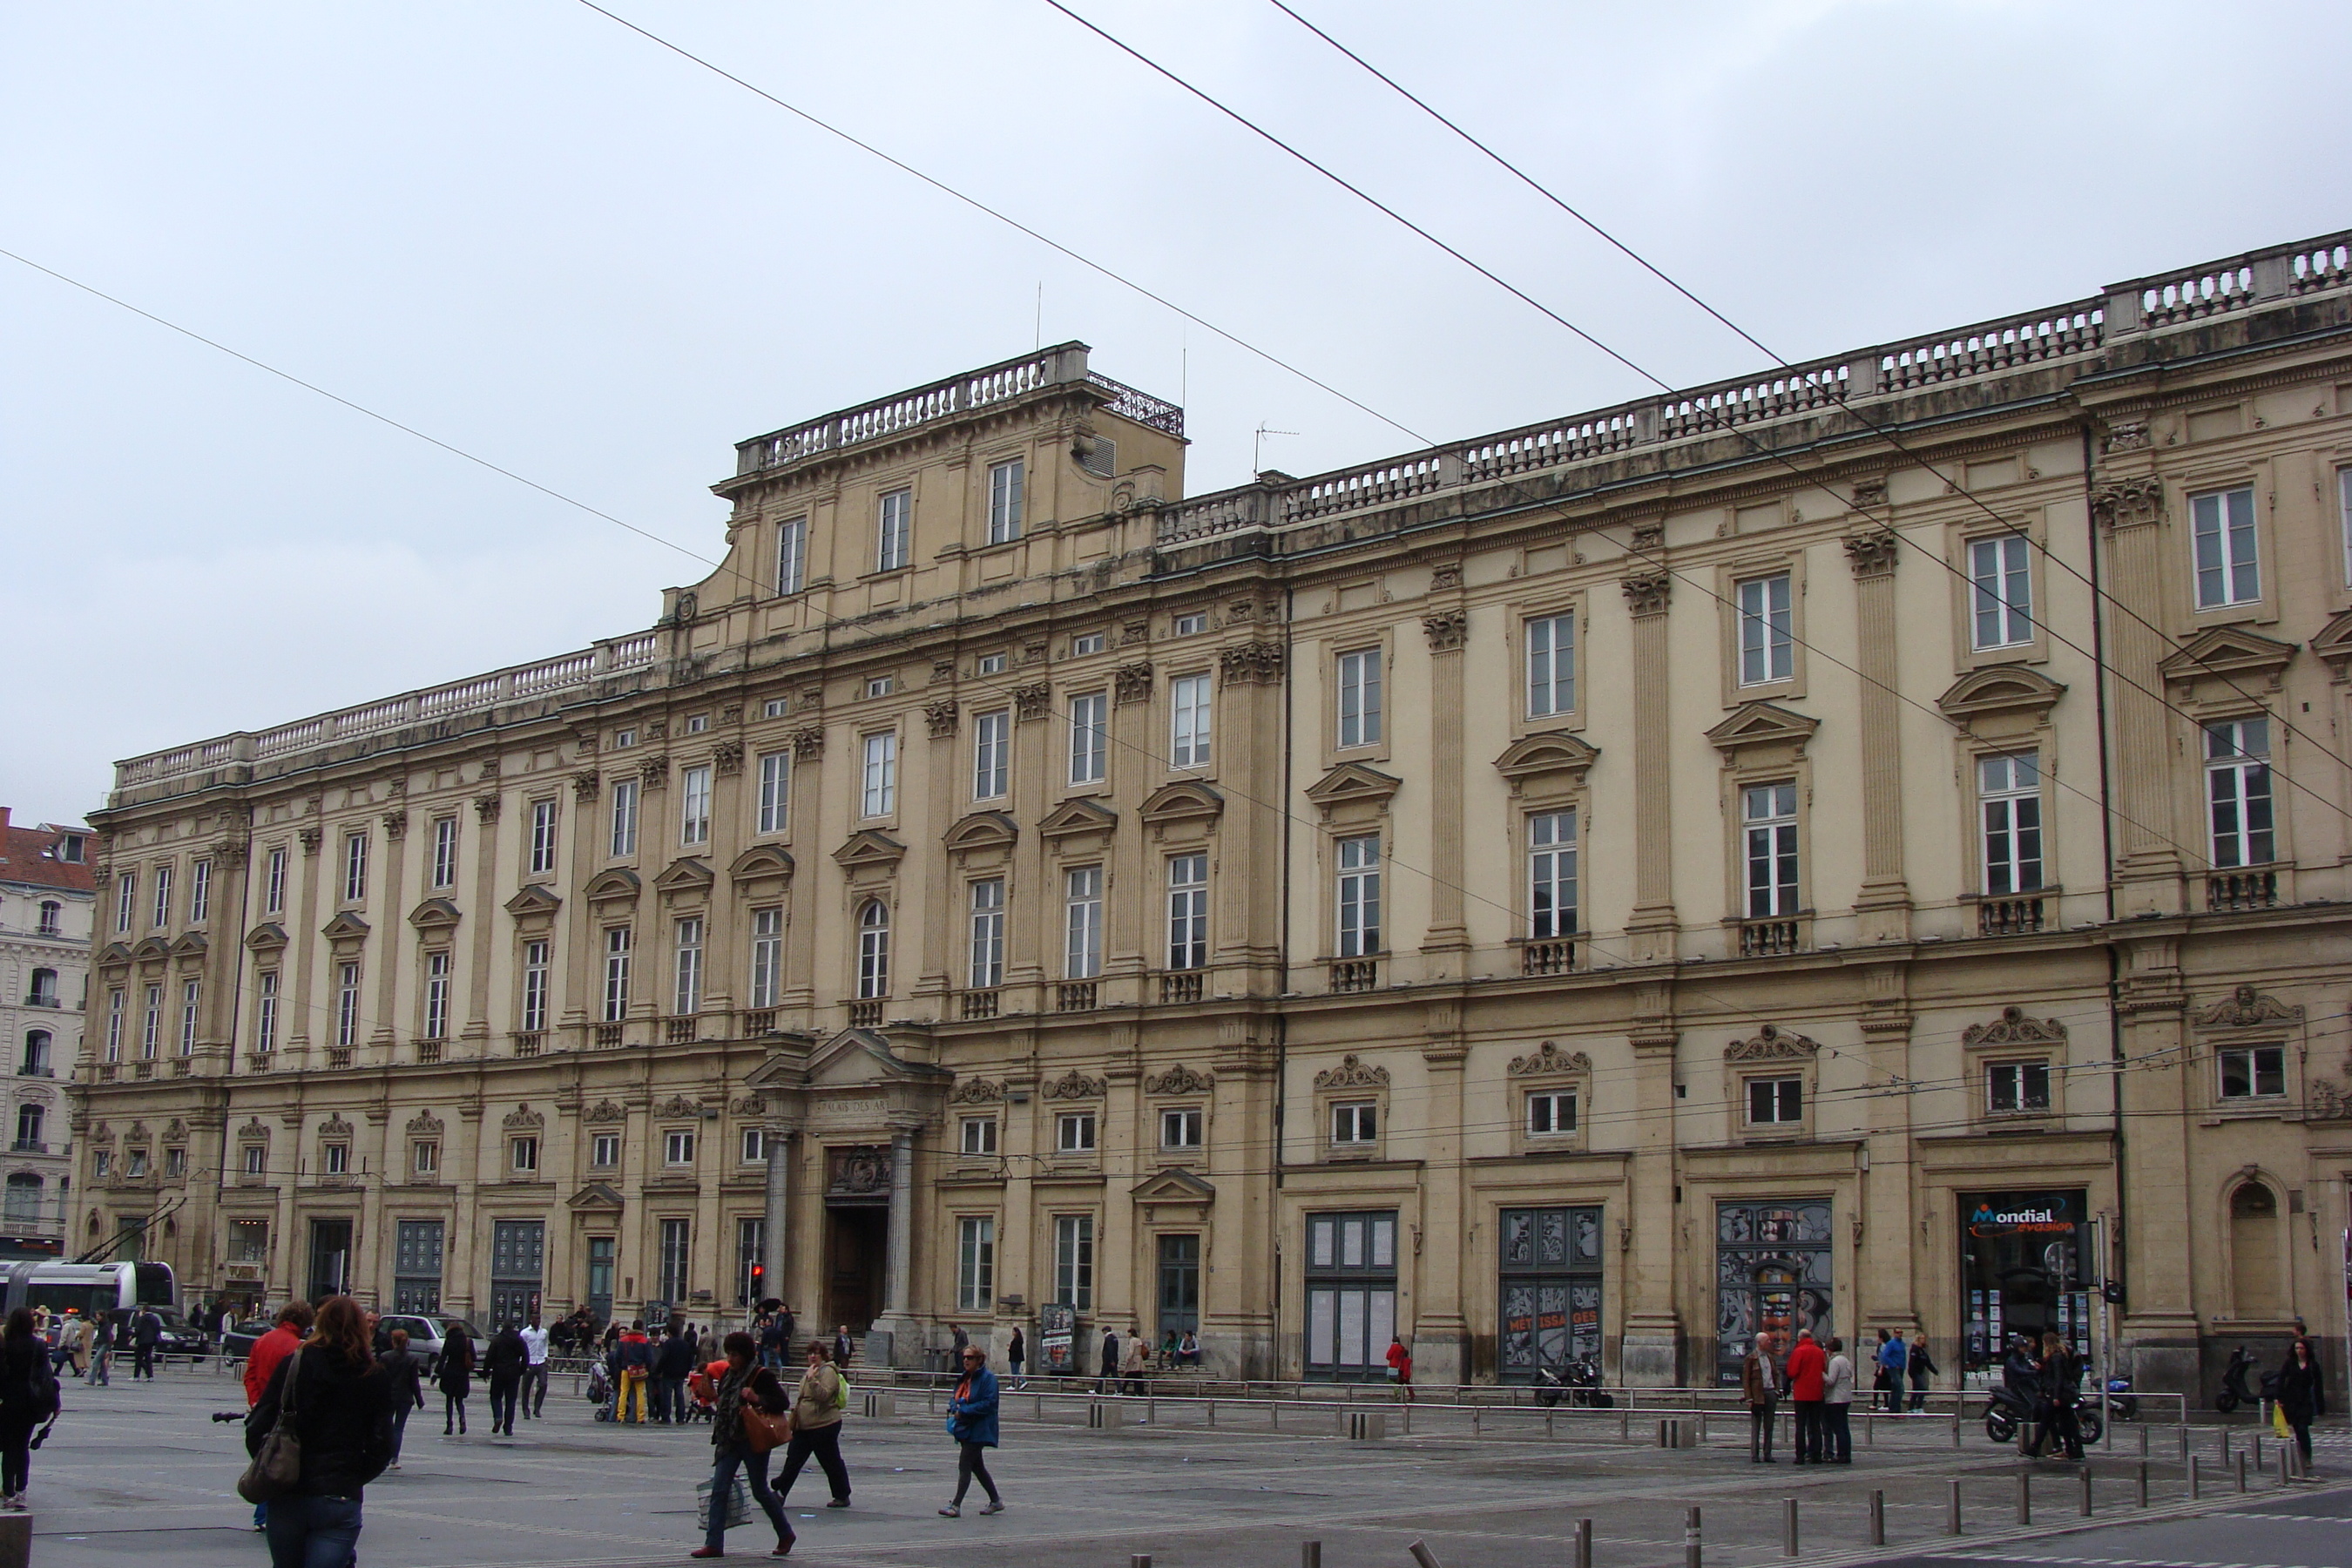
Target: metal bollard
2086	1491
1690	1538
2142	1442
1139	1560
2184	1443
2258	1450
2193	1488
2143	1483
1952	1507
1789	1527
1423	1555
2242	1469
1957	1403
1869	1429
1310	1555
1583	1544
2286	1470
1878	1519
2225	1447
2025	1499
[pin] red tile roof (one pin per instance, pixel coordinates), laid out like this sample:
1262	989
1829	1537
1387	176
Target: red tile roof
31	856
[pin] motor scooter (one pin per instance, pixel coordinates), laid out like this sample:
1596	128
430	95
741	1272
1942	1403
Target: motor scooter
1579	1382
2234	1390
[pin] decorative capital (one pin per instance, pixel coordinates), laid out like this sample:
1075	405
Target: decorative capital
1869	495
395	825
1252	663
1132	683
2128	503
808	744
1646	593
654	770
728	757
1032	702
486	809
1872	553
942	716
1447	631
1443	578
2131	436
585	786
310	837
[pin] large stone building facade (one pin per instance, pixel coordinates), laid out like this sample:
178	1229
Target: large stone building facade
1864	845
46	903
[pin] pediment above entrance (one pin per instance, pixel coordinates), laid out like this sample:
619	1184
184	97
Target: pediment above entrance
853	1080
1174	1187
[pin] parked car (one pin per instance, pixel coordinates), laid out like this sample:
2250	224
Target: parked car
179	1336
428	1333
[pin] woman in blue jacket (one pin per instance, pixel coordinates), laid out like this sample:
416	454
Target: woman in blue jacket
972	1422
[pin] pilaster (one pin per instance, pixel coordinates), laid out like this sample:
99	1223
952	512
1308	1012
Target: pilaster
1652	930
2129	512
1882	905
1448	631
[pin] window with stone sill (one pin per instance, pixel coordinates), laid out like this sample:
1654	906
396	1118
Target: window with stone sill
2252	1073
978	1137
424	1157
1181	1128
335	1159
1074	1132
134	1162
2016	1088
1551	1113
523	1156
1775	1104
256	1159
755	1145
678	1147
605	1150
1355	1124
175	1162
101	1164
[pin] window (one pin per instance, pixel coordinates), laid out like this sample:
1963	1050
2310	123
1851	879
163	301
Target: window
992	754
2010	791
2000	574
248	1241
625	818
1189	699
880	794
988	933
164	896
44	991
975	1264
265	1017
677	1252
102	1161
791	556
2223	526
1190	625
1357	1123
23	1204
29	1134
979	1135
688	997
273	886
256	1159
1766	650
69	849
1775	1101
605	1150
616	974
1180	1128
767	956
1360	697
1005	502
436	996
355	858
1089	748
424	1156
892	541
1074	1261
774	708
542	837
1359	896
151	1038
115	1009
522	1155
2238	792
754	1145
335	1159
1551	666
126	898
1092	642
1551	1113
1187	912
347	1004
775	791
678	1147
1351	1287
2017	1086
200	892
1551	874
445	851
1769	812
37	1053
694	818
2252	1072
624	739
175	1161
880	685
136	1158
1074	1132
1082	922
991	664
534	986
872	950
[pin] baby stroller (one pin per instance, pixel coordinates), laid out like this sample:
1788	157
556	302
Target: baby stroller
600	1390
702	1388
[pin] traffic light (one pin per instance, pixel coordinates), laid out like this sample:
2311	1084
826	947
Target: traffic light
2112	1292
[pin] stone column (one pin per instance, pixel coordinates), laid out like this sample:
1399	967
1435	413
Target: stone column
1440	1326
943	720
1650	1354
783	1137
485	925
1651	932
1447	631
1883	904
894	1330
2148	873
2161	1329
389	956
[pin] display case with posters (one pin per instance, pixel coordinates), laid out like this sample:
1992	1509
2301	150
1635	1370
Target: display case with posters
2024	1269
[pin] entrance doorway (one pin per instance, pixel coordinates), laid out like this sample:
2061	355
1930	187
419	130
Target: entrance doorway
330	1257
857	1251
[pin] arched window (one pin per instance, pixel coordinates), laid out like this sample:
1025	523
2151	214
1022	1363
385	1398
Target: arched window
2254	1253
874	950
24	1203
36	1053
53	918
29	1129
45	989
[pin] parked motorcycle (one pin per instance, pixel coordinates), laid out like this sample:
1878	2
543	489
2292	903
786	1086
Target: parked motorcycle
2011	1409
2122	1400
1579	1382
2234	1390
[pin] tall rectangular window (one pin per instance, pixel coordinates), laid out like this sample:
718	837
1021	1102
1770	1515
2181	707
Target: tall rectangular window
200	892
151	1033
2238	792
162	895
1767	649
688	997
1770	814
873	950
767	956
191	995
1551	874
1089	740
1359	896
975	1264
792	554
1074	1261
1083	922
1187	912
694	817
534	986
992	754
2009	790
1551	666
115	1001
616	974
677	1248
988	933
2223	526
2000	592
625	818
542	837
893	534
346	1005
355	859
265	1014
879	794
273	885
126	900
1189	699
444	852
1005	502
436	996
775	791
1360	697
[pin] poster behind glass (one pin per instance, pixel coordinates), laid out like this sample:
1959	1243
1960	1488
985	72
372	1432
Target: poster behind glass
2024	1269
1772	1274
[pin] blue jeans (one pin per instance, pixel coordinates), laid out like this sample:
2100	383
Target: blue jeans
314	1531
724	1464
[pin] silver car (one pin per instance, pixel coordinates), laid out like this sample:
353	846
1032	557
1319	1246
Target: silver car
427	1333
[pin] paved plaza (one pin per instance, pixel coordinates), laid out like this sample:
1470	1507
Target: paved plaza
136	1474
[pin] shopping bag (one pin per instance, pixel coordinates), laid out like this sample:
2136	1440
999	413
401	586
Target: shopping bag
2278	1420
739	1504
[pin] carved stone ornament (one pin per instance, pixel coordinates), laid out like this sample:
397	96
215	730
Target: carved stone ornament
1252	663
138	1133
1351	1073
1074	1085
731	714
522	1116
486	809
605	1113
1446	630
253	1131
808	744
677	1105
1547	1061
942	716
1646	593
1771	1044
1869	494
1132	683
424	1124
1134	632
585	786
395	825
2247	1008
176	1132
309	837
1443	578
2327	1101
653	772
859	1169
657	729
943	671
333	1127
2014	1028
1872	553
728	757
2132	436
748	1105
977	1091
1032	702
1179	1080
1032	653
104	1132
2127	503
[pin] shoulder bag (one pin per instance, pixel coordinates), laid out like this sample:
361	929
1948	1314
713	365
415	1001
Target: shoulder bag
761	1431
276	1466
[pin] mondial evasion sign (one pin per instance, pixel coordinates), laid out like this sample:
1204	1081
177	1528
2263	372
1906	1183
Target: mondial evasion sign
2028	1216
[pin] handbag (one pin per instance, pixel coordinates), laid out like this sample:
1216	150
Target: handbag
764	1432
276	1466
738	1504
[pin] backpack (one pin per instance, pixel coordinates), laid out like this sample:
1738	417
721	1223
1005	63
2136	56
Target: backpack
41	1379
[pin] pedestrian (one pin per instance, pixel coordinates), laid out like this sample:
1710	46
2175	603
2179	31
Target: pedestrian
816	1426
405	1370
1808	1364
146	1333
455	1376
1132	1364
342	1418
1923	1369
774	1345
1188	1350
957	1340
633	1365
1837	1405
534	1372
28	1397
2302	1394
1759	1385
1890	1357
505	1360
1399	1363
972	1422
261	1363
743	1384
1109	1381
1016	1355
101	1352
843	1348
2062	1376
671	1363
786	1324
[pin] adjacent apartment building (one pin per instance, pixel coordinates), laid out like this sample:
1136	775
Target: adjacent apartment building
1865	843
46	903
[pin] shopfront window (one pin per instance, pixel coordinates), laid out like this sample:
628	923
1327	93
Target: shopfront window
2023	1271
1550	1289
1771	1272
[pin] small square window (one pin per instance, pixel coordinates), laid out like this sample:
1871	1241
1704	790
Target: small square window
1090	643
1074	1133
1552	1114
2012	1086
1180	1129
755	1145
522	1154
175	1161
624	739
979	1135
1191	626
992	664
137	1164
605	1150
337	1159
678	1147
879	686
1775	1101
696	724
774	708
2255	1072
1357	1123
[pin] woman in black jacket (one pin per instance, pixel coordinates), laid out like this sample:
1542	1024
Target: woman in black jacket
406	1370
342	1413
28	1397
456	1375
2302	1394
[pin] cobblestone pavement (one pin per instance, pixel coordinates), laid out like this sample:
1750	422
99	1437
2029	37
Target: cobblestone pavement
136	1474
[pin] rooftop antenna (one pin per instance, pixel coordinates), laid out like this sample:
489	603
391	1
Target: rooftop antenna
1257	444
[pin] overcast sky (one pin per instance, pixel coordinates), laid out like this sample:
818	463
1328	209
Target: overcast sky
539	237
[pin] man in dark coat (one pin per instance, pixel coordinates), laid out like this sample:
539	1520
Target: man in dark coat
146	1333
1108	1382
506	1361
672	1362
